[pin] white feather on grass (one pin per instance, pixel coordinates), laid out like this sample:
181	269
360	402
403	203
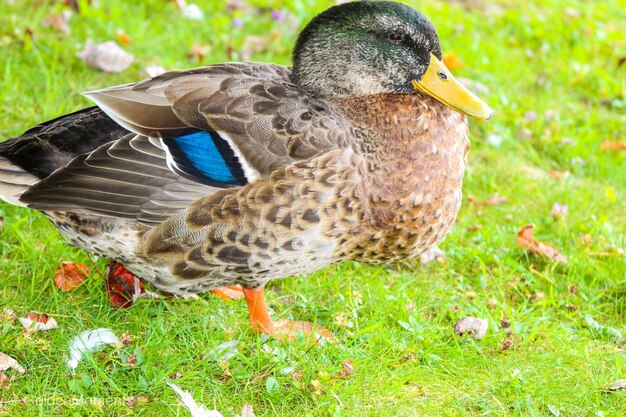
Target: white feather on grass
88	341
196	410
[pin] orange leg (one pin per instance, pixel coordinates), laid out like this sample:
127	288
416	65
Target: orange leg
260	319
229	293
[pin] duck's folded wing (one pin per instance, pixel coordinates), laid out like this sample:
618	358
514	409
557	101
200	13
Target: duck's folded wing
127	179
265	119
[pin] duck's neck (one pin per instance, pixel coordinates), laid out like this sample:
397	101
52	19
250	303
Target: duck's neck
411	126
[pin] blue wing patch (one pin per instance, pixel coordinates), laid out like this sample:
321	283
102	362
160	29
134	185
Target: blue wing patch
205	157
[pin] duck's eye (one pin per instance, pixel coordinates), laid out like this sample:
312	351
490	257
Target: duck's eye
442	76
395	37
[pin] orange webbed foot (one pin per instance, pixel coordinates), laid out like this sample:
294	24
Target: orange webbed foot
283	329
229	293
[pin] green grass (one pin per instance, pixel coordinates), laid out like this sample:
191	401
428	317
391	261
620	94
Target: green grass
397	327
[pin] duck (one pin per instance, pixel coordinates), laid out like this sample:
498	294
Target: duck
225	177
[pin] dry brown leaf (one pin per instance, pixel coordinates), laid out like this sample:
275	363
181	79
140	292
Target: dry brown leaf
609	145
526	239
348	368
452	62
123	38
472	326
107	56
621	61
7	362
38	321
1	223
70	275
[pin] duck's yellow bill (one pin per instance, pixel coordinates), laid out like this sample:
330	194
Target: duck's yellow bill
440	84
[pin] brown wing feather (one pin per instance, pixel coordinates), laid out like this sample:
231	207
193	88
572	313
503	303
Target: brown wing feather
126	179
271	121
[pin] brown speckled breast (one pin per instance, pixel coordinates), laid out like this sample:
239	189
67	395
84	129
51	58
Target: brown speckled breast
411	183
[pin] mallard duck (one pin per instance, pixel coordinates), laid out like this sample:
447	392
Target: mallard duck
225	177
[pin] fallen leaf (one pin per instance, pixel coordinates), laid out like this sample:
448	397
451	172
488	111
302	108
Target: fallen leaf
620	384
526	239
70	275
621	61
432	254
196	410
452	62
123	38
123	287
1	223
472	326
495	201
559	211
7	362
38	321
107	56
348	368
88	341
609	145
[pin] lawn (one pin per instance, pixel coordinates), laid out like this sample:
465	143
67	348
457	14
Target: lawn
552	74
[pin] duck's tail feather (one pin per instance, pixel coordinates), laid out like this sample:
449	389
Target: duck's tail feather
41	150
14	181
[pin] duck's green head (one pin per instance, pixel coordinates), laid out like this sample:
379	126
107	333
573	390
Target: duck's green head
363	48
